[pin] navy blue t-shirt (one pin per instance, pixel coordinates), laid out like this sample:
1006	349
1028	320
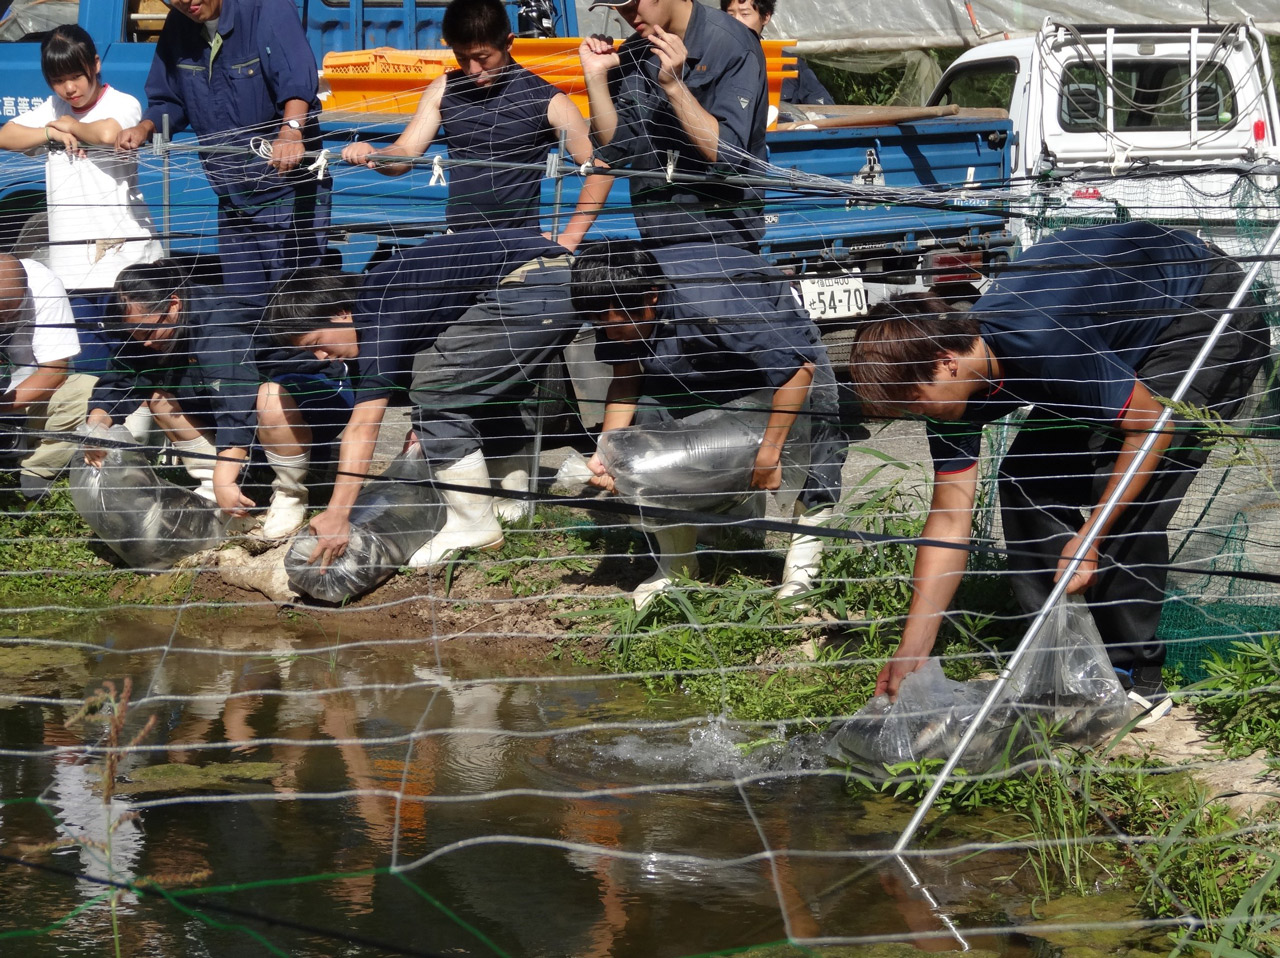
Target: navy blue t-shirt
1071	322
504	121
729	324
408	301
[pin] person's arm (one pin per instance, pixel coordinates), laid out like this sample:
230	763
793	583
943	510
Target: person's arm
415	139
99	419
936	574
788	400
565	117
226	481
598	57
619	409
288	148
102	132
36	388
20	139
701	127
332	528
1138	420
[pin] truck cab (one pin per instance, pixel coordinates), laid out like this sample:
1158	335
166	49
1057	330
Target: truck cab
1120	97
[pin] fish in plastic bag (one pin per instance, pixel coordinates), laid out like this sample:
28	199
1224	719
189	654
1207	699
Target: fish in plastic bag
149	523
702	462
1064	689
394	515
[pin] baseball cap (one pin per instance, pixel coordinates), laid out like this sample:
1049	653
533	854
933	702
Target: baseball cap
609	3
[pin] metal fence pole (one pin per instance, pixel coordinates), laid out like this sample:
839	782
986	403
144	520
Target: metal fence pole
165	186
1060	587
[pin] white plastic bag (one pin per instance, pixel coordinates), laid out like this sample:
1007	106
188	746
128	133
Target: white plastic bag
149	523
1065	690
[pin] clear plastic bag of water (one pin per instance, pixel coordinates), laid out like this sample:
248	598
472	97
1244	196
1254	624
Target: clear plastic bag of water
148	522
1064	691
702	462
394	515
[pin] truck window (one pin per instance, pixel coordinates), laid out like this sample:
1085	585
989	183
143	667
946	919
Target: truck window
31	20
988	84
1147	95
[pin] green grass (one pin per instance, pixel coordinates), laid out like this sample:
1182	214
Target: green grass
49	555
1240	700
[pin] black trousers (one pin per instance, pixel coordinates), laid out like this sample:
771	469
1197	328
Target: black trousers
1054	473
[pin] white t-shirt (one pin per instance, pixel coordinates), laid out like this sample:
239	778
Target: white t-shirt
98	221
44	330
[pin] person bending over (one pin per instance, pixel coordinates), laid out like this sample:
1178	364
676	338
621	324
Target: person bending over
696	326
1089	327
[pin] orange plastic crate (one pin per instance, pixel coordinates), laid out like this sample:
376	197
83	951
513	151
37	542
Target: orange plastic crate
385	80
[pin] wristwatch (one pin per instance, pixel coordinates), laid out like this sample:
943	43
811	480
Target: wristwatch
295	125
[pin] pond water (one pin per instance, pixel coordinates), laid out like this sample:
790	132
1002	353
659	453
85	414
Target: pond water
305	794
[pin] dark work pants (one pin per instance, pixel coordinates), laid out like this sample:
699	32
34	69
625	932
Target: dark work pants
1054	474
259	246
470	386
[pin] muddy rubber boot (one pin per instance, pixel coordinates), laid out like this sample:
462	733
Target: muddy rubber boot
804	555
198	467
469	522
288	510
676	560
512	472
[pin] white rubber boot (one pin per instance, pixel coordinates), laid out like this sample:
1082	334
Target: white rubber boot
676	560
804	554
288	510
512	472
469	522
198	468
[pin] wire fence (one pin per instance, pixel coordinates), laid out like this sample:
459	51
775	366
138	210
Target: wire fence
505	756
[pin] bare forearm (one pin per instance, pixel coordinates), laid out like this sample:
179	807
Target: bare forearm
604	118
359	441
18	138
595	191
788	400
701	127
36	388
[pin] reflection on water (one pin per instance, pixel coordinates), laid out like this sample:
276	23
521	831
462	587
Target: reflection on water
408	802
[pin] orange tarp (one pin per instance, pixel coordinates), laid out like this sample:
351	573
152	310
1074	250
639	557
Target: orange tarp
391	81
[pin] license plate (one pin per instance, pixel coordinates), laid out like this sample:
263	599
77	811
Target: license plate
834	297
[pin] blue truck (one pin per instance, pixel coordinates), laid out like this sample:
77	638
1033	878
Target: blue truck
851	210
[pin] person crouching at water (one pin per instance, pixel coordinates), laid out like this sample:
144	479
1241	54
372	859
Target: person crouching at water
186	350
699	325
453	324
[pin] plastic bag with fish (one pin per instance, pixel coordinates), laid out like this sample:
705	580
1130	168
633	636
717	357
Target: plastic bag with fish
148	522
393	516
1064	691
704	461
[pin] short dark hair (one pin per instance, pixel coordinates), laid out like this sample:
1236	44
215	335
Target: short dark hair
306	300
898	347
148	286
68	50
470	22
763	7
614	274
